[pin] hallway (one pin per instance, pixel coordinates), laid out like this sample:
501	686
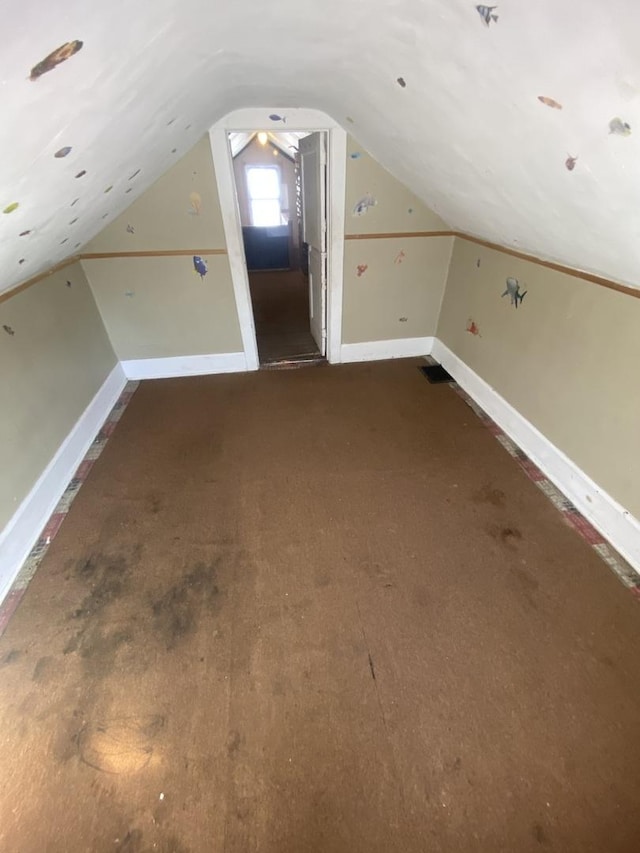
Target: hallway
281	313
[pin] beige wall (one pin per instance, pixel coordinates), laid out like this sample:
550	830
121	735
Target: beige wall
567	359
52	366
399	293
394	200
393	298
158	306
163	217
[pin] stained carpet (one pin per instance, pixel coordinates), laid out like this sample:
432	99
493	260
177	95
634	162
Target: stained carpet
317	611
281	313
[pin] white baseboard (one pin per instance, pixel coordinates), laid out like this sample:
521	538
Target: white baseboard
185	365
613	521
378	350
22	531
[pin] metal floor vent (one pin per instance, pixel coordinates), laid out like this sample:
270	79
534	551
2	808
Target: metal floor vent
436	373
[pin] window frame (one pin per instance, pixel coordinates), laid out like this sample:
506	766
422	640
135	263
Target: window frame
251	199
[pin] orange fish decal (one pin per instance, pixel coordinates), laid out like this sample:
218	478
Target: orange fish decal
549	102
473	328
361	269
60	54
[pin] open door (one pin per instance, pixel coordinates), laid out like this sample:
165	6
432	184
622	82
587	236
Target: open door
313	169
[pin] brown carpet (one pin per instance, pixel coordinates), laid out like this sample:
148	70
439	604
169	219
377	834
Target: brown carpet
317	611
281	314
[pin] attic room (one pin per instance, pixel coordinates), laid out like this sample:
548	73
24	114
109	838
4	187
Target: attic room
375	592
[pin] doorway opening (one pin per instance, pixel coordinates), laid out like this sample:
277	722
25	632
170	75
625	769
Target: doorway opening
280	184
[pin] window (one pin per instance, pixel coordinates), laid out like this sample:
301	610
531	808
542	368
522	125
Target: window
263	184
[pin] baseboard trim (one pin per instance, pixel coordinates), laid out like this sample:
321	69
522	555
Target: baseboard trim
611	519
185	365
22	531
379	350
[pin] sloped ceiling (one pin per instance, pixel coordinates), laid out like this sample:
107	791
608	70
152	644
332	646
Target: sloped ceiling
464	127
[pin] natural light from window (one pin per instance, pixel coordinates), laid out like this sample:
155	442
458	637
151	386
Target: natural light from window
263	184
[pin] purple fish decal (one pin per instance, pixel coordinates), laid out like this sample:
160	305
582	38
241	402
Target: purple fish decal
62	152
570	163
276	117
200	266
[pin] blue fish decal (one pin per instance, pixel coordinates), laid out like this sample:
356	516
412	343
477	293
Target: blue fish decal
276	117
356	155
487	13
200	266
513	291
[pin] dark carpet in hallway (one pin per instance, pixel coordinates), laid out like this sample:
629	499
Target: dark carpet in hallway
281	313
317	610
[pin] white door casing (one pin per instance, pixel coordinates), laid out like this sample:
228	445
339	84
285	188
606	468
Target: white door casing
313	164
299	119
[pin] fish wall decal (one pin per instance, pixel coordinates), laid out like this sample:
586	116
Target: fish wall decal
363	204
619	127
513	292
200	266
570	162
550	102
195	201
487	14
60	54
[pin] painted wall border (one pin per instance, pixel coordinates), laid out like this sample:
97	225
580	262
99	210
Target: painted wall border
22	531
388	235
575	273
14	291
551	265
184	365
380	350
150	253
297	120
611	519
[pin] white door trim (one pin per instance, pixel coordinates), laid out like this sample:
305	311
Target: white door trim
300	120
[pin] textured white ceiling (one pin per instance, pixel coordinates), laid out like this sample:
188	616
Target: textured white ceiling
467	131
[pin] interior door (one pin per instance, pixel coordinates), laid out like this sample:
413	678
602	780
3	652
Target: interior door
313	168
